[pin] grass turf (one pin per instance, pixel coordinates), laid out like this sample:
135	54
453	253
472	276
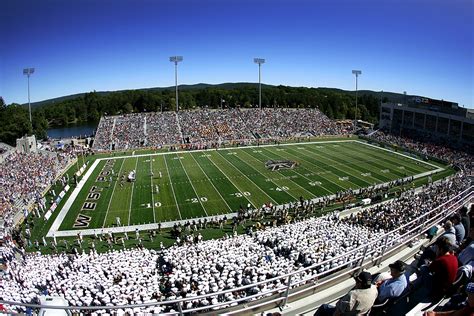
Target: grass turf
205	183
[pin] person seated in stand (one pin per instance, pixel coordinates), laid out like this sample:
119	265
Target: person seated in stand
465	220
466	256
358	301
459	230
434	280
443	268
449	232
429	254
394	286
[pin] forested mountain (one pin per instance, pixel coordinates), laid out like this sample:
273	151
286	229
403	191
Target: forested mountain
89	107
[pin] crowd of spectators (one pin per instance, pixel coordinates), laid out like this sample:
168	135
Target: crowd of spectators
205	267
208	127
444	272
463	158
282	122
24	177
212	126
103	135
393	214
137	130
128	131
193	267
162	129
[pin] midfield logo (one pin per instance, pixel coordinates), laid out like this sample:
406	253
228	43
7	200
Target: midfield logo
274	165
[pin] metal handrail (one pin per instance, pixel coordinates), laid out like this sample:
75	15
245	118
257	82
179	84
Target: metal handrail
384	249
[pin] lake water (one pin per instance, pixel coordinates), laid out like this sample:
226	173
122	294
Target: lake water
72	130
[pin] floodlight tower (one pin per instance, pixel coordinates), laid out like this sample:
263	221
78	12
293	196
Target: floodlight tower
176	60
356	73
28	72
259	61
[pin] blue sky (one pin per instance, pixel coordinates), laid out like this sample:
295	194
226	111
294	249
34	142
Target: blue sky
424	47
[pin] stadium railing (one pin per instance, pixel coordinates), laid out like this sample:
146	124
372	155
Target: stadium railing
295	286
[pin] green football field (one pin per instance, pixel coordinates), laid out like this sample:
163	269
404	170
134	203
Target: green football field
183	185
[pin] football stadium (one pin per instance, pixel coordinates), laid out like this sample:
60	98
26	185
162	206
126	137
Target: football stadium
215	223
236	198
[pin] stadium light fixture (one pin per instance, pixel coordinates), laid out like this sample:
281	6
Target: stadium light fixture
176	60
28	72
356	73
259	61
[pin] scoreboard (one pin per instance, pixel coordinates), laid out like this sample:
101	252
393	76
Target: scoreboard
434	102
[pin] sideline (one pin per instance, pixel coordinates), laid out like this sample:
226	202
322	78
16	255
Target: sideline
62	214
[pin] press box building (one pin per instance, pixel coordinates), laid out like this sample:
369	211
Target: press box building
438	118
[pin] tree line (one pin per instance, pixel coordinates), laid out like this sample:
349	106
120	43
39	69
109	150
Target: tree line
336	104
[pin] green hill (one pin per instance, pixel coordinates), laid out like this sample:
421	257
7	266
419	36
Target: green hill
390	96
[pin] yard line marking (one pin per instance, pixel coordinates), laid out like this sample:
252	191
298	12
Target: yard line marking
381	160
233	148
342	171
131	195
400	154
392	159
248	178
322	176
195	192
152	195
229	178
287	191
112	195
313	196
359	159
345	166
211	182
302	175
172	189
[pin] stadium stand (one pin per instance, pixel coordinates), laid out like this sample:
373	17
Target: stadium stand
24	177
203	276
462	158
209	127
194	269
